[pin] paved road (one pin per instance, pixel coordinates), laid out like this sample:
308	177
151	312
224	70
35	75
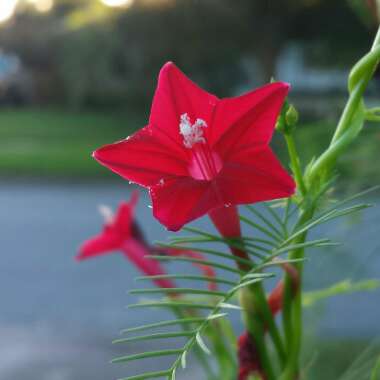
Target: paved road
58	317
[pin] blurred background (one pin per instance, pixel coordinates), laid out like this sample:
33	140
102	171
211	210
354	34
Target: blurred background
76	74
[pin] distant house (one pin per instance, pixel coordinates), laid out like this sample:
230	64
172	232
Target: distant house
292	68
316	91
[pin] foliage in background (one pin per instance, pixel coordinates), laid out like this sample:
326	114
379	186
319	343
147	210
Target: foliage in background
84	54
55	143
72	136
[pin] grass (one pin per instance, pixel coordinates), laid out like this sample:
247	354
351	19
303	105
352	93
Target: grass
56	143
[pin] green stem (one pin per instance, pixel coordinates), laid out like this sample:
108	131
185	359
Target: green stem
347	129
376	41
264	311
292	306
256	328
256	308
360	75
226	360
294	159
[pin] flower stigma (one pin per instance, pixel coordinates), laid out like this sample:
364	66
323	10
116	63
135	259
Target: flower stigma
106	213
192	133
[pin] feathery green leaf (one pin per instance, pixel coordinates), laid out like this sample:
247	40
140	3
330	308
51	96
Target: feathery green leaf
145	355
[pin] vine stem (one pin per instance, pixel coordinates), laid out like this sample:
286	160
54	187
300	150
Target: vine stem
292	307
347	130
376	41
227	222
294	159
345	133
254	325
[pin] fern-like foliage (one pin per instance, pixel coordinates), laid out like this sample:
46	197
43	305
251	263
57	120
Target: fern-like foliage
275	229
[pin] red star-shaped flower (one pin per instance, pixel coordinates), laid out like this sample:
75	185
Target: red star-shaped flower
121	232
199	153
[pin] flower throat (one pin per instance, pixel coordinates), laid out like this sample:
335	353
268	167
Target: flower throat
205	164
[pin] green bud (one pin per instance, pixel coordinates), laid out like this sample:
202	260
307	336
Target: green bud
291	116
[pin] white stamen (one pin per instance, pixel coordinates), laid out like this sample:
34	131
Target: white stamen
107	214
192	133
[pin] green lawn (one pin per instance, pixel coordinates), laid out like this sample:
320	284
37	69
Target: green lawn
58	143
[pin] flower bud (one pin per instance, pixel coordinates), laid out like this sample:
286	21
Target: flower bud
287	119
291	116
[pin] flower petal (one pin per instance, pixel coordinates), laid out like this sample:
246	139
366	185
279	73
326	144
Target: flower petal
180	201
254	175
101	244
176	95
124	216
137	252
142	158
248	119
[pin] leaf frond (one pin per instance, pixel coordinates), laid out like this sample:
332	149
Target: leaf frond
154	336
197	325
148	375
212	252
198	307
212	264
174	322
208	279
145	355
275	231
178	291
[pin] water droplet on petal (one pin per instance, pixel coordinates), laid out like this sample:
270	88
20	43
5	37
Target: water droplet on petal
150	206
161	182
227	205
